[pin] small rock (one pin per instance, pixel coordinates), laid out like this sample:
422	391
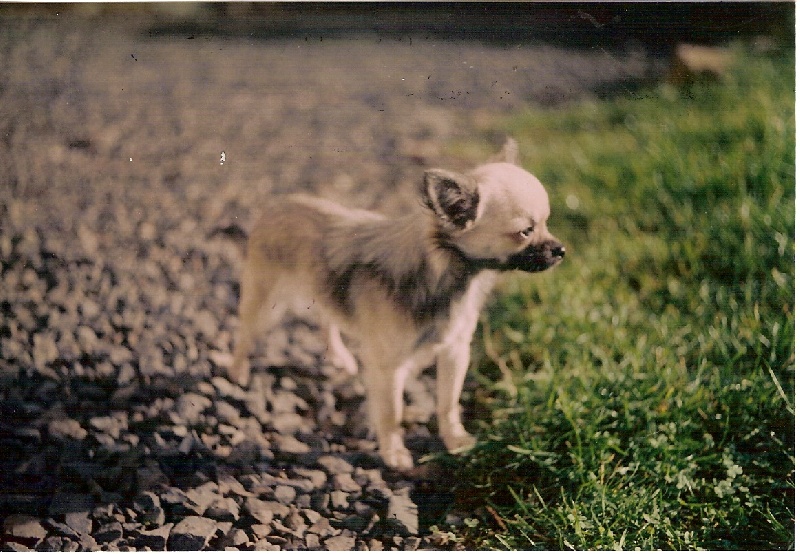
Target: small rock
322	527
203	496
339	500
52	544
227	413
61	529
345	482
109	533
223	509
148	506
404	511
191	533
312	541
334	465
12	546
190	405
66	428
45	350
285	494
236	537
149	476
79	522
260	530
24	527
295	522
263	545
155	539
290	445
258	509
87	543
340	543
315	476
178	502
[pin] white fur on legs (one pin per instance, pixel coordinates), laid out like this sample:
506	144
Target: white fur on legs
451	368
338	353
385	403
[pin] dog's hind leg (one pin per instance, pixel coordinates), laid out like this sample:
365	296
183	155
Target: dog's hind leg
385	382
253	297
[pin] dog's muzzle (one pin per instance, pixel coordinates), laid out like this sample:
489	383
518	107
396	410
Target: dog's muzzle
537	257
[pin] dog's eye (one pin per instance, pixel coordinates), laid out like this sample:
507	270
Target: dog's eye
525	233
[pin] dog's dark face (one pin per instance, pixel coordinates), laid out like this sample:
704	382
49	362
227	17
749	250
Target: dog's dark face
495	217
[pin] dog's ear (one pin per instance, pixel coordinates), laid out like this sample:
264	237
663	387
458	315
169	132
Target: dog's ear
508	154
452	196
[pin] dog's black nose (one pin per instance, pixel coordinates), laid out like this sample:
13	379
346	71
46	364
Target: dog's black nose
558	251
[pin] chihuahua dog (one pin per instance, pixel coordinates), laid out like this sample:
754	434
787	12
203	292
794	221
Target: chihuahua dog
408	290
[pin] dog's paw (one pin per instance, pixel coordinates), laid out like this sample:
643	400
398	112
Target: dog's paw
239	373
395	454
458	441
398	458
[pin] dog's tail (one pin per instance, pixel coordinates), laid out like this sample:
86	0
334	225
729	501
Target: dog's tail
234	233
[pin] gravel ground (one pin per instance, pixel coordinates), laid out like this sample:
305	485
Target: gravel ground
115	430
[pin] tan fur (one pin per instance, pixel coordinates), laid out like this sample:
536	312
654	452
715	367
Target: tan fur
409	289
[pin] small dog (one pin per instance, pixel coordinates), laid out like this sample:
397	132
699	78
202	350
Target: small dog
408	289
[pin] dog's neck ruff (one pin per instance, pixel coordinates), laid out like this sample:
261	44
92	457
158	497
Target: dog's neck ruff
471	265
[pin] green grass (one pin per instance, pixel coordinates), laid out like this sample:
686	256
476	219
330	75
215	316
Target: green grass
654	369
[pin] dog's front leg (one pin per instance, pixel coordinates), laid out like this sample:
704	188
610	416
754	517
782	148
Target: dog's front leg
385	383
451	367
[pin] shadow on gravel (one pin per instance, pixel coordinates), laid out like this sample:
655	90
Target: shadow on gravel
101	465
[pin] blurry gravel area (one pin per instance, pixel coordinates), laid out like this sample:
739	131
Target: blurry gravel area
120	149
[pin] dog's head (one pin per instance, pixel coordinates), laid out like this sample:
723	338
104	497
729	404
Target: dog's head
495	217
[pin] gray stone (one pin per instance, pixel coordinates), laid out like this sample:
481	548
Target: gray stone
236	537
316	477
203	496
24	527
53	544
227	413
191	533
285	494
290	445
258	509
190	405
80	522
66	428
148	506
61	529
87	543
13	546
334	464
345	482
404	511
312	541
339	500
154	539
108	533
223	509
322	527
340	543
263	545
